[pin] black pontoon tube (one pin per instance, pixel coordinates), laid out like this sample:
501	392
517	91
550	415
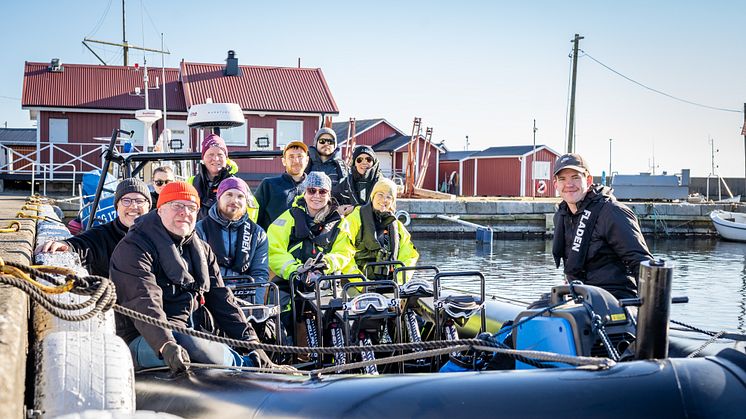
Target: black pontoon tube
652	321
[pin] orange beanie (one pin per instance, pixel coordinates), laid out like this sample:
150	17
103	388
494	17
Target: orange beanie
178	191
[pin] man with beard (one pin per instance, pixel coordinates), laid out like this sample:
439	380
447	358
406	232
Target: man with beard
597	238
276	194
95	246
163	270
326	157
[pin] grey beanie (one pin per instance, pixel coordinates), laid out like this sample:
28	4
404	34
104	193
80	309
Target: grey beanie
324	131
317	180
132	185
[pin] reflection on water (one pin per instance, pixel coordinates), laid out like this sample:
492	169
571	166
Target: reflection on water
712	273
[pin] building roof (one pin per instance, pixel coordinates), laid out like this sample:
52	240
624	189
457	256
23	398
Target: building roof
457	155
510	151
98	87
18	136
392	143
272	89
361	125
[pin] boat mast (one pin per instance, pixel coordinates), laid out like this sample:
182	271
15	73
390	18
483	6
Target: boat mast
571	127
125	47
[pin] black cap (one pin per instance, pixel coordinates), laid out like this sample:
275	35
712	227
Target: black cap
571	161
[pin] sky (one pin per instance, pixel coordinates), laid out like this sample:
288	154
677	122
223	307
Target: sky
482	69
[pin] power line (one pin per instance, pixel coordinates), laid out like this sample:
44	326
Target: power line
9	97
658	91
100	21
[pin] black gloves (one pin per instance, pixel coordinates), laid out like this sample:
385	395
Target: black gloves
176	357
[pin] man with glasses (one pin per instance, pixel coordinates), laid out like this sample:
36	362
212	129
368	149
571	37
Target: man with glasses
95	246
326	157
215	167
163	270
276	194
162	176
597	238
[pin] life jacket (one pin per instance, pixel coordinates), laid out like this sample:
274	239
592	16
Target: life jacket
312	237
377	241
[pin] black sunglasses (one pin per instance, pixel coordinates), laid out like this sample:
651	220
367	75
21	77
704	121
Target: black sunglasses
362	159
326	141
161	182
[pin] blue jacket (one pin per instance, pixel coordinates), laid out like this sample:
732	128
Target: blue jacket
274	196
230	242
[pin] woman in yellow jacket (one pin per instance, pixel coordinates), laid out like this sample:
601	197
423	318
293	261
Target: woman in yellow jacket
377	235
311	226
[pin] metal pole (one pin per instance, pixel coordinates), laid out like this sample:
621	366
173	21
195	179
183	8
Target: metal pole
652	322
609	161
124	37
533	164
571	127
105	169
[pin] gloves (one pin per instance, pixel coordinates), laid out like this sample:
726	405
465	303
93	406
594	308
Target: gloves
260	359
175	356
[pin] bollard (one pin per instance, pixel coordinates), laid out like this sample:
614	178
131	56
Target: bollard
652	321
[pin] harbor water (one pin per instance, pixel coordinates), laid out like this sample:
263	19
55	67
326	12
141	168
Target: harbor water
711	272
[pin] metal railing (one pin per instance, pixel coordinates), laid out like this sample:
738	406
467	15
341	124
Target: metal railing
75	155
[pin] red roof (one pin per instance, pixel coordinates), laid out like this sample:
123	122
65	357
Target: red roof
98	87
279	89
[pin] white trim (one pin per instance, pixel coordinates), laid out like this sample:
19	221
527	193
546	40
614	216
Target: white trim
88	110
461	178
299	114
523	176
437	171
476	170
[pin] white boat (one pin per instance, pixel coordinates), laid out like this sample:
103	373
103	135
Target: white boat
730	225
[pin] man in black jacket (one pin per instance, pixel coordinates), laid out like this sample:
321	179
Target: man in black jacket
163	270
275	195
597	238
326	157
95	246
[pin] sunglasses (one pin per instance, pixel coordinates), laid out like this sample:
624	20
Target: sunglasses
315	191
362	159
326	141
162	182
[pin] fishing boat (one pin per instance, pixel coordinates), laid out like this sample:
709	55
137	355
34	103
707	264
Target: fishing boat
730	225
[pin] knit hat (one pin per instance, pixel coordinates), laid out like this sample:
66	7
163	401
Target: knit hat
317	180
387	186
233	183
213	140
322	131
178	191
132	185
364	149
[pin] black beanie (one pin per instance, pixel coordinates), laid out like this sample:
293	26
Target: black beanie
132	185
364	149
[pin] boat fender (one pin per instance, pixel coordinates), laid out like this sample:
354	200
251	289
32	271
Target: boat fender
401	213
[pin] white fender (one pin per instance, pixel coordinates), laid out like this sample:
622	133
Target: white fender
405	214
78	371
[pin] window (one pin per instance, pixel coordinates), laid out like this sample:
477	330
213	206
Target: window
57	130
541	170
235	136
288	131
137	127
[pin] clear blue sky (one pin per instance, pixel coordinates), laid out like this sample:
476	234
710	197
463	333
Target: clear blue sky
482	69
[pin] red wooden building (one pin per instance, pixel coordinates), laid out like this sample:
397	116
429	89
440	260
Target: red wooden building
391	147
502	171
75	103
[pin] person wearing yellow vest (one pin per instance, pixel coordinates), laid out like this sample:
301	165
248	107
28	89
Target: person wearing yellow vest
378	236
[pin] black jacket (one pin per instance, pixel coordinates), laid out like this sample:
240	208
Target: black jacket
208	189
615	246
169	277
355	188
334	167
95	246
275	195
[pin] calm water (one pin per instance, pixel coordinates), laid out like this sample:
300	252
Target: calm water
710	272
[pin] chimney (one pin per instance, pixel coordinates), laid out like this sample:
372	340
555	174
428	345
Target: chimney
55	66
231	65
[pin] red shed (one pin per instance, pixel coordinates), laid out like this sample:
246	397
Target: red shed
506	171
450	170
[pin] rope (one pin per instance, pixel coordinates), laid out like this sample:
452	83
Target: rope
701	348
36	217
12	227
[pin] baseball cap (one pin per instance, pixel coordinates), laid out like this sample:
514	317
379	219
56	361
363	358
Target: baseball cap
571	161
292	144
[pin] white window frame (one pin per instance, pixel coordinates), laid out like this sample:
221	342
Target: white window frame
288	130
138	137
59	130
236	136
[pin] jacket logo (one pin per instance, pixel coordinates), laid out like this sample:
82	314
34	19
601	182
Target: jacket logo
580	231
245	245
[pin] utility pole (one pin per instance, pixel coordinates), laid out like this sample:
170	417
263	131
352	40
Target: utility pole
571	127
125	47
